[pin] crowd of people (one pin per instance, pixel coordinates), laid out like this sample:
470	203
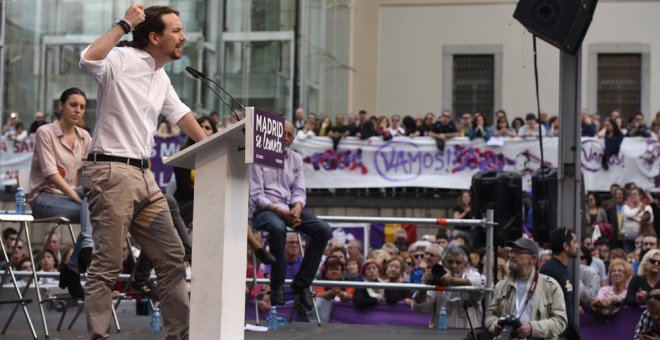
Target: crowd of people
103	183
472	125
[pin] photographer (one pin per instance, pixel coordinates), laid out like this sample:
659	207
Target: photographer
533	299
457	274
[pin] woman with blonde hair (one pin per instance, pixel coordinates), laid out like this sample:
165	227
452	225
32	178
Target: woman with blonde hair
612	296
647	279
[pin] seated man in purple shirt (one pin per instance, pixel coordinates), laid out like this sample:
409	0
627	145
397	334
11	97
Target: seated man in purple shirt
277	199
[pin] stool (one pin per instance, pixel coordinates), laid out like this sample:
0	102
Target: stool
23	220
254	284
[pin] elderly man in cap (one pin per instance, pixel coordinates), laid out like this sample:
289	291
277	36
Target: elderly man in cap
534	299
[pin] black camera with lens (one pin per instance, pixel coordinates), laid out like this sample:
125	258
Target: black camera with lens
509	324
437	272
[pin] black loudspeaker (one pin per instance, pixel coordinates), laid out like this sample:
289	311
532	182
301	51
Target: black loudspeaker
544	203
562	23
502	192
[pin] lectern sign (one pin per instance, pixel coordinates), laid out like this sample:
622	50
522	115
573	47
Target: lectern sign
265	138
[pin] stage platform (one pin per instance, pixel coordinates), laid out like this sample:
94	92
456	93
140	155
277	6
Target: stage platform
137	328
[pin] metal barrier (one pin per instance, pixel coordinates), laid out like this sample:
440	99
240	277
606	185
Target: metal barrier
487	223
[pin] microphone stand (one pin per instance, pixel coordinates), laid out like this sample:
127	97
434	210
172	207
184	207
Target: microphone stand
199	75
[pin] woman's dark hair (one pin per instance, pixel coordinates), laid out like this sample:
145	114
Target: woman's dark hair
71	91
200	120
616	130
595	198
409	125
152	23
474	121
517	119
499	120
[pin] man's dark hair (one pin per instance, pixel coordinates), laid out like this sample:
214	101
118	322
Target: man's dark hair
8	232
530	116
558	237
153	22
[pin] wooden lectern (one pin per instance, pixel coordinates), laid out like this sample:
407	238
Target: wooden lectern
220	215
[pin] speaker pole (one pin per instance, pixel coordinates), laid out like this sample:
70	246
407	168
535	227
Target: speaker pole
569	173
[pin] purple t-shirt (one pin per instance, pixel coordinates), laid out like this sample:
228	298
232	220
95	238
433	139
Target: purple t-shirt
291	270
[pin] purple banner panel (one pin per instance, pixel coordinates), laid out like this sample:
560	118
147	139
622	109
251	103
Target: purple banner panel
163	147
268	139
620	326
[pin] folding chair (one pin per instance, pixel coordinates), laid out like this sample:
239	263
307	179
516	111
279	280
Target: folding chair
23	220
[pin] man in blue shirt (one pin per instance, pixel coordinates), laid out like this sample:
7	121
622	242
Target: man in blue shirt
277	200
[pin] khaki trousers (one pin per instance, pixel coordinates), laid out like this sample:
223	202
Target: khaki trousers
124	198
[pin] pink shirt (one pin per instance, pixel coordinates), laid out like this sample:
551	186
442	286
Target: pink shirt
608	291
51	156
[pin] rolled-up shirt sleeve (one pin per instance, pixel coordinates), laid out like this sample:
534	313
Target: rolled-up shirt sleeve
102	70
173	108
45	153
298	193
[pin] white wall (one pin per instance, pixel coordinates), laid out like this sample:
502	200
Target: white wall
411	36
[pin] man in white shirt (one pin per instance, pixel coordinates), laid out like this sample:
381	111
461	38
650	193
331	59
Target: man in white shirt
123	194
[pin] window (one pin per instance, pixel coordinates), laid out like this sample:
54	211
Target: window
473	85
620	84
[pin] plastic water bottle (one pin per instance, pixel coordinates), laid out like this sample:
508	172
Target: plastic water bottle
442	320
272	319
20	201
155	321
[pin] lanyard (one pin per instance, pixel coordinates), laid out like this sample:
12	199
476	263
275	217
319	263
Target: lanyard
528	295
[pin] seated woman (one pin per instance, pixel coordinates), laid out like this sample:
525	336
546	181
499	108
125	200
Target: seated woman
352	272
394	273
59	151
332	270
369	297
647	279
611	296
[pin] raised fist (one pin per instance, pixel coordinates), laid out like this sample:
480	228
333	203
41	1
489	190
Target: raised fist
135	14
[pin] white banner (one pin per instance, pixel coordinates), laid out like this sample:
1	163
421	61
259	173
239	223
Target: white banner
418	162
14	156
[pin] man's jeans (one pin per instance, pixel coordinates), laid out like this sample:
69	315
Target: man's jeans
319	233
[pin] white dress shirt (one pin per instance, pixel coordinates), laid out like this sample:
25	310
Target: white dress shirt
131	95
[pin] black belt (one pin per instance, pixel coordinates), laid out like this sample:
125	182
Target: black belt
99	157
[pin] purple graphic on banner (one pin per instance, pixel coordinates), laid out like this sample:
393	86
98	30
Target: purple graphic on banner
268	139
342	160
163	147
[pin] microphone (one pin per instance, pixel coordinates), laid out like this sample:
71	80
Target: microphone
194	72
199	75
